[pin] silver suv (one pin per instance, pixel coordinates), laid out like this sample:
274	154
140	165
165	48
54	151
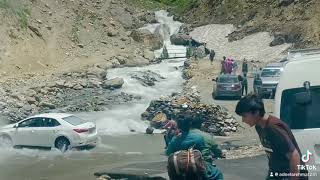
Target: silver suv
267	80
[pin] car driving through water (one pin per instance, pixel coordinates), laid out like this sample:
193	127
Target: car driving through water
58	130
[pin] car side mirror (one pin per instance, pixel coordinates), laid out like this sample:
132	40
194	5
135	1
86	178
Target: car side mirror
303	98
15	126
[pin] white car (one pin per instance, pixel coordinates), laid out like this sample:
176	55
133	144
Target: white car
59	130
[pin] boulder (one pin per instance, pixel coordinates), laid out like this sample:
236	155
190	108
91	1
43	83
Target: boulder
159	120
48	105
60	83
200	51
148	18
93	83
185	29
187	74
115	83
112	32
147	38
288	37
149	130
104	177
96	72
137	61
285	2
78	87
147	78
122	60
31	100
181	39
149	55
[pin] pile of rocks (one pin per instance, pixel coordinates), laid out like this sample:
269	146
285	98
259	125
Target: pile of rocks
214	118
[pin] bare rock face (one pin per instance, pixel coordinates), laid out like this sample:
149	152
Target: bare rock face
181	39
115	83
147	38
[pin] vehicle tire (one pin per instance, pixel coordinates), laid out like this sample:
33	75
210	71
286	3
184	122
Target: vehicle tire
62	143
6	141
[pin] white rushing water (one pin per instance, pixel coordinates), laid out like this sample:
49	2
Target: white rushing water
123	119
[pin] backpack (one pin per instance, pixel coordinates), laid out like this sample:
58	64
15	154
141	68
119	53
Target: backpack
186	165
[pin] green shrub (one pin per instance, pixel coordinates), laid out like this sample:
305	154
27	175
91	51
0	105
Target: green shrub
16	8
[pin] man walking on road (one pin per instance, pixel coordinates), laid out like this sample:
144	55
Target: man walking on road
275	136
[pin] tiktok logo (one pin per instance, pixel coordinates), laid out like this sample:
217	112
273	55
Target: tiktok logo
306	157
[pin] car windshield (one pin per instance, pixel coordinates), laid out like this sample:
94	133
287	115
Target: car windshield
270	72
228	80
74	120
300	116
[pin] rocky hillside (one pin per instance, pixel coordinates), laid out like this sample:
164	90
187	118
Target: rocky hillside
45	35
292	21
54	55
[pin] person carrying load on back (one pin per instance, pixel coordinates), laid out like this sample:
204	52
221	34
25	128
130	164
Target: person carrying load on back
211	56
186	152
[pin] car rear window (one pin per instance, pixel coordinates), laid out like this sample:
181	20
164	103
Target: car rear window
74	120
270	72
228	80
300	116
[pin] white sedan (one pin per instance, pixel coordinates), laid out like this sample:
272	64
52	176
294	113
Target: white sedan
59	130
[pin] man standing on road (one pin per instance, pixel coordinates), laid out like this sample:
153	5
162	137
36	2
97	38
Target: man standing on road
211	56
245	67
244	84
276	137
223	62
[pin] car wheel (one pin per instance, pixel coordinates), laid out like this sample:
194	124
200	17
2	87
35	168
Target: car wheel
5	141
62	144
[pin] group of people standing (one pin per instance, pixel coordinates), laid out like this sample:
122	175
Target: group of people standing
230	66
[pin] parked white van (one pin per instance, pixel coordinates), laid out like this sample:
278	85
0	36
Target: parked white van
297	102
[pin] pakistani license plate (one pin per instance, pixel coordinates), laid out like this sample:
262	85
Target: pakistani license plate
228	88
269	90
